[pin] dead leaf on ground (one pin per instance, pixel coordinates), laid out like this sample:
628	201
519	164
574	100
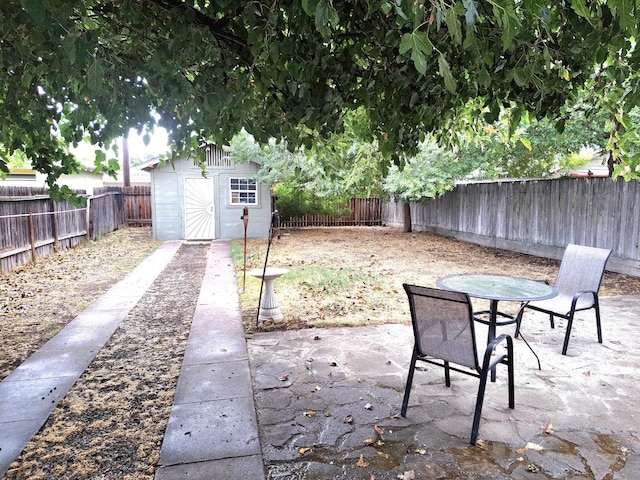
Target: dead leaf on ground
534	446
548	428
409	475
379	430
304	450
348	419
309	413
283	378
362	462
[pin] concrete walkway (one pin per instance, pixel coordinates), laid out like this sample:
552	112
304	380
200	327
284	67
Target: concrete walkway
32	391
212	430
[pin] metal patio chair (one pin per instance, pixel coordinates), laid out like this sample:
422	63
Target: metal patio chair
443	329
578	283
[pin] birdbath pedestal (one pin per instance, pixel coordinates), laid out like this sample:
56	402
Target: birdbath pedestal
269	307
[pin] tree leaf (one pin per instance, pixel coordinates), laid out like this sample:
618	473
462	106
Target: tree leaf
422	42
94	77
415	41
471	13
36	9
322	14
445	71
419	61
309	7
453	25
525	142
580	7
69	47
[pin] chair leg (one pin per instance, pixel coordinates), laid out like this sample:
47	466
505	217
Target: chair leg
479	401
596	305
447	374
407	388
553	324
511	373
519	319
568	334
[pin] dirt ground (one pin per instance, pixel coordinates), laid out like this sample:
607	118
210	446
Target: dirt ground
354	276
338	276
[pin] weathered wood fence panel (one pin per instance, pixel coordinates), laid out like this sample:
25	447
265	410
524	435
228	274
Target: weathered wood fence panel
106	212
364	211
538	217
32	225
137	204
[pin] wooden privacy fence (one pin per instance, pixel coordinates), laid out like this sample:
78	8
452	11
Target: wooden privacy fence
537	217
137	204
32	225
364	211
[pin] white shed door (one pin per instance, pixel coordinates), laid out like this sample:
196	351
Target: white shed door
199	209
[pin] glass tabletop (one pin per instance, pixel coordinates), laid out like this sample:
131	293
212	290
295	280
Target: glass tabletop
498	287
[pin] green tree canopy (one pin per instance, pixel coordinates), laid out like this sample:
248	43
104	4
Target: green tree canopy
75	69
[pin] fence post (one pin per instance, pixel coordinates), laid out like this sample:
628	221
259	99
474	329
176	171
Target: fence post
54	227
32	237
88	221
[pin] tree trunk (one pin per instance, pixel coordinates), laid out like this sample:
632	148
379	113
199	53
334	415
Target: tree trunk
406	210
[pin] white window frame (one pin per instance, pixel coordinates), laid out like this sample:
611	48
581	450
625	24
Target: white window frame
243	187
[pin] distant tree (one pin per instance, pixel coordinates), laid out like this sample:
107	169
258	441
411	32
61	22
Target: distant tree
535	149
321	179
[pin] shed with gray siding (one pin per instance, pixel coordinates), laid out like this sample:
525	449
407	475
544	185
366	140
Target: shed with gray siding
188	206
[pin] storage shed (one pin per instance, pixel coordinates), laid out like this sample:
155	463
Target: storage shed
188	206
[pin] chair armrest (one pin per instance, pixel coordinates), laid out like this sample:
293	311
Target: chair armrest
577	296
488	353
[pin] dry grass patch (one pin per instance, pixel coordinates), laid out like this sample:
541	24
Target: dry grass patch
353	276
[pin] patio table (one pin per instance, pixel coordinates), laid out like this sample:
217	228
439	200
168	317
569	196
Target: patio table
496	288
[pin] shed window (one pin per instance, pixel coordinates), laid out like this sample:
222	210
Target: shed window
243	191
